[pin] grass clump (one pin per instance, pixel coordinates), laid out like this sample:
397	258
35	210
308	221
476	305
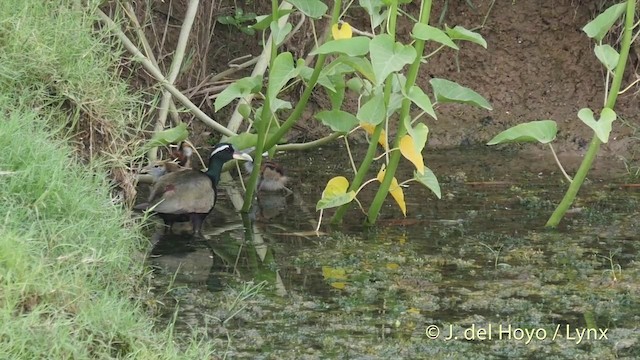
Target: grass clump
70	270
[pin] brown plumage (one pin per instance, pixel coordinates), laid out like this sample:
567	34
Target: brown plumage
190	193
272	176
182	153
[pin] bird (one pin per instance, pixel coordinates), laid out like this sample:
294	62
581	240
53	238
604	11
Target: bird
272	176
182	153
191	193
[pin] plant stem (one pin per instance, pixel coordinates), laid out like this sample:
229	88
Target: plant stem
261	124
375	136
592	152
412	75
302	103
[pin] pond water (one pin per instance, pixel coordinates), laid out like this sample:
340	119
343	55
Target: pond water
473	275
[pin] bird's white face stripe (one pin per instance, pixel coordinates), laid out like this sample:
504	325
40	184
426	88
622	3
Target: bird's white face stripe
219	149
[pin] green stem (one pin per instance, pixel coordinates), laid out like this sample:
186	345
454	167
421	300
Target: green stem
262	126
304	99
378	200
373	141
360	175
594	146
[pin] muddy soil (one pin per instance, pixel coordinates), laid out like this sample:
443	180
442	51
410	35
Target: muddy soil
538	65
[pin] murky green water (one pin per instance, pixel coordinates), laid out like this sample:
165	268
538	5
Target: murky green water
474	275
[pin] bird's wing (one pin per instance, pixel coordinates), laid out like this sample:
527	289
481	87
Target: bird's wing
183	192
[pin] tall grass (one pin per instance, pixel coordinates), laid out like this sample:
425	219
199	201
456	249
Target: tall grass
70	268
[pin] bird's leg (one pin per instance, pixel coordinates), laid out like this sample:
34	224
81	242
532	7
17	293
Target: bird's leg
196	222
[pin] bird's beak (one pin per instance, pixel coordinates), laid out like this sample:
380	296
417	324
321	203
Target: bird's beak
242	156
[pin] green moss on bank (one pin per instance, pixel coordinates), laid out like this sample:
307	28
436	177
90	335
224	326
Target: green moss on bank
70	269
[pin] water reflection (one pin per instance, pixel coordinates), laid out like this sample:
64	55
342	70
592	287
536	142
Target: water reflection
479	256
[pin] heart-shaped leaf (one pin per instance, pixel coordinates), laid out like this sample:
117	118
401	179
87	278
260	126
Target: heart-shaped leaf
341	32
607	55
598	27
460	33
395	190
282	71
372	111
542	131
359	64
382	140
312	8
337	95
425	32
280	33
356	46
338	120
388	56
428	179
173	135
238	89
422	100
449	91
601	127
408	150
335	194
243	141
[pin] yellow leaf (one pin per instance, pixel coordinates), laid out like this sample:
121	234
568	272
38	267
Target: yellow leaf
333	273
413	311
408	150
382	140
393	266
343	32
395	190
336	186
338	285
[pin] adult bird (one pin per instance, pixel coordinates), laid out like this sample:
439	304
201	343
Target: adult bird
192	193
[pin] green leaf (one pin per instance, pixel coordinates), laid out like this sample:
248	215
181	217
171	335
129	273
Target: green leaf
277	104
311	8
601	127
355	46
335	194
359	64
245	110
338	120
388	56
355	84
598	27
279	34
422	100
608	56
428	179
243	141
336	96
306	72
449	91
238	89
542	131
425	32
264	21
460	33
372	112
419	135
169	136
282	71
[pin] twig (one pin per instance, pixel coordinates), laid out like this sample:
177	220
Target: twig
130	11
155	72
176	64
